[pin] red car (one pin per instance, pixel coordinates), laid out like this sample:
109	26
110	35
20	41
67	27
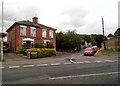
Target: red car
89	51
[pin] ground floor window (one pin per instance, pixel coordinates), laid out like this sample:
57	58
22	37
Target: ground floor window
46	41
28	43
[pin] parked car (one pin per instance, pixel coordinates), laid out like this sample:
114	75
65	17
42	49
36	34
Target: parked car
89	51
5	49
95	48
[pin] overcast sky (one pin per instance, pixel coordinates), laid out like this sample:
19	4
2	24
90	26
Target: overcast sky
84	16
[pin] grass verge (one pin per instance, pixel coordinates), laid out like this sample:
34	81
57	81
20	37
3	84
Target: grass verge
107	53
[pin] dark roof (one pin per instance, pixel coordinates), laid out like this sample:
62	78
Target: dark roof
117	32
29	23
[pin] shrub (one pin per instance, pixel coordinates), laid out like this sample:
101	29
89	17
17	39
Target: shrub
20	51
38	45
49	45
42	52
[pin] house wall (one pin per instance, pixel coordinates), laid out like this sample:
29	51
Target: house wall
15	40
11	39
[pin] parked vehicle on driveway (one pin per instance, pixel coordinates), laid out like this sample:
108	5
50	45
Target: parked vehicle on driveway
5	47
89	51
95	48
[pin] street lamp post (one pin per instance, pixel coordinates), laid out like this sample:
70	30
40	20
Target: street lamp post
2	36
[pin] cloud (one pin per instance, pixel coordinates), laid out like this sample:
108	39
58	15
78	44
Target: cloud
82	15
74	16
15	13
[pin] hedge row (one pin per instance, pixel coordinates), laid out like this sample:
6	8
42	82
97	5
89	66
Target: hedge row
42	52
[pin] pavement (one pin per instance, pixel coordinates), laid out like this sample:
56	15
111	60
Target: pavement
17	61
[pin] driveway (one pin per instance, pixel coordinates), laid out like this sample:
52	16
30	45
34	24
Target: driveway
15	59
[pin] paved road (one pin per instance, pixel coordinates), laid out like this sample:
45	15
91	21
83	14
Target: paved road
70	72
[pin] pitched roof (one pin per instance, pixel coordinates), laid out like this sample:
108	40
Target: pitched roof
29	23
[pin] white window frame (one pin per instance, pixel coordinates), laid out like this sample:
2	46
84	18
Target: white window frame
28	39
23	30
44	33
33	31
51	33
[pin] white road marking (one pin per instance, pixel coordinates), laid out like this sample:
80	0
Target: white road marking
98	61
1	67
72	61
42	65
28	65
108	61
55	64
87	62
11	67
79	62
67	63
75	76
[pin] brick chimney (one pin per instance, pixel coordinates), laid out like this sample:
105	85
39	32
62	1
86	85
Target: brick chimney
35	20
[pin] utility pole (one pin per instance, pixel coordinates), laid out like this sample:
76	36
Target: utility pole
2	36
103	34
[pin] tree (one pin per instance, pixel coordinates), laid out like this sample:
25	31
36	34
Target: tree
72	40
110	36
99	39
60	41
87	38
68	41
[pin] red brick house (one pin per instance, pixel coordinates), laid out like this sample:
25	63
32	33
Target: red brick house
27	32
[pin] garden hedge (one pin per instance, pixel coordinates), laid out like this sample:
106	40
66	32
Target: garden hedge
42	52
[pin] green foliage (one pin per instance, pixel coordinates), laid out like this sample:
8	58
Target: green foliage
20	51
60	41
110	35
94	43
49	45
42	52
99	39
87	38
68	41
38	45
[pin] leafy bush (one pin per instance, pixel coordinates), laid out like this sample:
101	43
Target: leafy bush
20	51
49	45
42	52
38	45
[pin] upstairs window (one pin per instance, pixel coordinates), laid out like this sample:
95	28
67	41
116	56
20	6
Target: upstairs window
33	31
44	33
51	33
23	30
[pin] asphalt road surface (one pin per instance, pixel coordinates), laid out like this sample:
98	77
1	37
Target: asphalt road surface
67	73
